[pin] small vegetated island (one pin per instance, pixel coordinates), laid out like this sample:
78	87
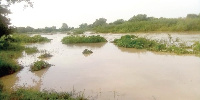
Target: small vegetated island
83	39
38	65
132	41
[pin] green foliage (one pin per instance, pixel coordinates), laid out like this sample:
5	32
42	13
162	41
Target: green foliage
119	21
64	27
142	23
23	38
8	54
45	55
5	29
139	17
83	39
22	94
86	51
132	41
11	49
38	65
31	50
28	94
196	47
177	50
99	22
78	31
8	66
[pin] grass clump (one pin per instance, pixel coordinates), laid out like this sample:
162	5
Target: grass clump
86	51
132	41
45	55
23	38
196	47
28	94
31	50
38	65
83	39
22	94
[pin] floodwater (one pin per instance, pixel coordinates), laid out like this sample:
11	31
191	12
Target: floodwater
111	72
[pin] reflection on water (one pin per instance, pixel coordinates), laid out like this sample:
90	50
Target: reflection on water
111	72
87	45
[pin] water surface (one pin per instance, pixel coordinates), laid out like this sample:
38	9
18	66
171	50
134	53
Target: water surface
111	72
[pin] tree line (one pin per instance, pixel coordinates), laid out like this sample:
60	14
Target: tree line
137	23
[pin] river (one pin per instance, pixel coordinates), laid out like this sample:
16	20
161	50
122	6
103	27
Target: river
111	72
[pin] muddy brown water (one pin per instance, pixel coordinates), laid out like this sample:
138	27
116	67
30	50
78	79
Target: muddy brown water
111	72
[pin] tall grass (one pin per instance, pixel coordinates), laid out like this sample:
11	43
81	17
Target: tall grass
23	38
83	39
31	50
28	94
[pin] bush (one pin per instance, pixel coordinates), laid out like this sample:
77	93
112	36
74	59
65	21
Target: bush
83	39
22	94
8	66
196	47
38	65
23	38
8	54
86	51
131	41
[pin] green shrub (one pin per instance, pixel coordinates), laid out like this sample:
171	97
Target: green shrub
83	39
86	51
196	47
22	94
8	54
23	38
38	65
8	66
131	41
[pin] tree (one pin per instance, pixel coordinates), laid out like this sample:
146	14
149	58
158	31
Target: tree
5	29
100	22
119	21
64	27
192	16
139	17
83	25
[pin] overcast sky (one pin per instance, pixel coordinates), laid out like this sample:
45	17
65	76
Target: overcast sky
74	12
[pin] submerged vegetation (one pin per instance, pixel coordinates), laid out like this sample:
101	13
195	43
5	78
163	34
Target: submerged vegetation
23	38
31	50
86	51
28	94
83	39
38	65
12	47
132	41
45	55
